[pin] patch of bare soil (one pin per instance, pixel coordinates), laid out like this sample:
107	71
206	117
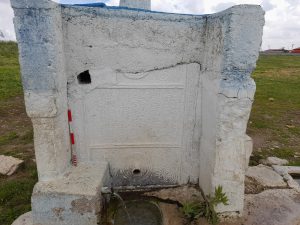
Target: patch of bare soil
16	132
260	139
13	116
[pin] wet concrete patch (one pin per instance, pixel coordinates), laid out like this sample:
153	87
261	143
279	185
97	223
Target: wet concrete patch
138	212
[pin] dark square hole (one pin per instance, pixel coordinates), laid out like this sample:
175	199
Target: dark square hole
84	77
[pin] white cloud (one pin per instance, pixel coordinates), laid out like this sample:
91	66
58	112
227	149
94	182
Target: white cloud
293	3
282	27
6	22
267	6
223	5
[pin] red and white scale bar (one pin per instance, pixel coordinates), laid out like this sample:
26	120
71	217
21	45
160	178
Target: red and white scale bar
72	139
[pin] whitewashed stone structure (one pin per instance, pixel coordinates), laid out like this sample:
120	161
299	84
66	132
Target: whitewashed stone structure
158	99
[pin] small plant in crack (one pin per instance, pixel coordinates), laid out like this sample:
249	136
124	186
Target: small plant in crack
206	208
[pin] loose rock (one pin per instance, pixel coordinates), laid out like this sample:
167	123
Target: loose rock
270	207
9	165
265	176
270	161
276	207
285	172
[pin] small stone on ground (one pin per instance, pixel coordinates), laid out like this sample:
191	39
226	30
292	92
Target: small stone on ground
9	165
270	161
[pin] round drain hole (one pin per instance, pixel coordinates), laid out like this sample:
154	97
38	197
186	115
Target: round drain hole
136	171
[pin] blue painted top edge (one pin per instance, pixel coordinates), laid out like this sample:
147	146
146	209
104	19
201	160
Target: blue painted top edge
103	5
96	4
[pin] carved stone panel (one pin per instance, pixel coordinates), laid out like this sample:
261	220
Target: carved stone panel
139	122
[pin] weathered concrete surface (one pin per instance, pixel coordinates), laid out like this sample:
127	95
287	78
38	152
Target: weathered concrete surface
73	199
38	28
180	111
271	207
167	102
9	165
25	219
265	176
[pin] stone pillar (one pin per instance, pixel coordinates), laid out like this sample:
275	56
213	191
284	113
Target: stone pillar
227	96
138	4
38	27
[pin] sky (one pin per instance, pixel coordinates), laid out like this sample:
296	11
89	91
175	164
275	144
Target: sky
282	28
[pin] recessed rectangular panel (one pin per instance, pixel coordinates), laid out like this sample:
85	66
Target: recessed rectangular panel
147	120
134	117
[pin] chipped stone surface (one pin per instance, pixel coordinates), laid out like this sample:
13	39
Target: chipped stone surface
83	205
285	172
265	176
180	194
25	219
73	199
252	186
274	161
9	165
168	95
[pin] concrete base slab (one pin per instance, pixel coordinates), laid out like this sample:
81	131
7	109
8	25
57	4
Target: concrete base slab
73	199
25	219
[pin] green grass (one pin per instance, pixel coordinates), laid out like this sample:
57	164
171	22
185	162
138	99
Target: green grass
294	163
16	190
15	193
5	139
276	109
10	84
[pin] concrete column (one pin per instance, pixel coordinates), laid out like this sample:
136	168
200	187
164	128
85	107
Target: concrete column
138	4
228	92
38	27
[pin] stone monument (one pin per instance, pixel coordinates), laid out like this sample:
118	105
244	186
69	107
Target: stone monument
125	97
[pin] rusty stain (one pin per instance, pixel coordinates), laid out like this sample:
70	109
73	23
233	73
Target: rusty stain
58	212
83	205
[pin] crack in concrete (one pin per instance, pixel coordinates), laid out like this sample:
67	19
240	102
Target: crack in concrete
161	68
235	97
